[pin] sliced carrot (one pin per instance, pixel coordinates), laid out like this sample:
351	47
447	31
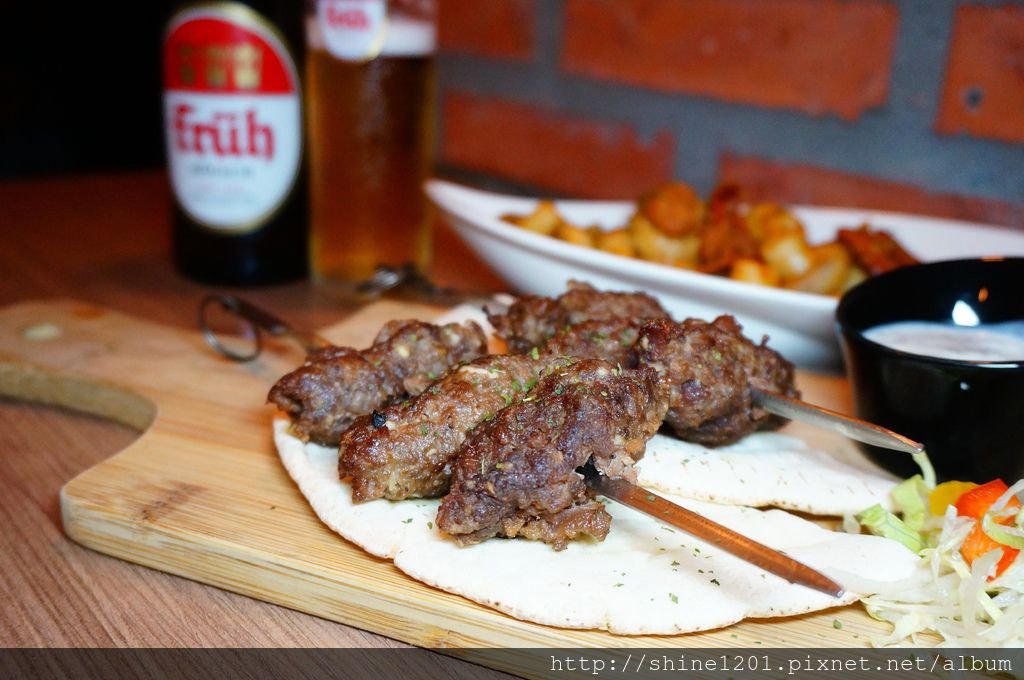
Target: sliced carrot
976	502
978	543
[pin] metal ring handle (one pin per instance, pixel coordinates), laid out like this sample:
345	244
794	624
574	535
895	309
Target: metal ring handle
234	305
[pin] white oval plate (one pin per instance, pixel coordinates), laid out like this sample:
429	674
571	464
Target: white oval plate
799	325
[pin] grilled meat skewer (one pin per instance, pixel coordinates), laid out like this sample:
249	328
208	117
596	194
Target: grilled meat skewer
336	385
711	369
406	450
531	320
516	474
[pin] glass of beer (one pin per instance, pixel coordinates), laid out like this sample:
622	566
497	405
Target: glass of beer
370	83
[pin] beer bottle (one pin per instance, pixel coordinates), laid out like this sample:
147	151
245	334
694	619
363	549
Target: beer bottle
233	117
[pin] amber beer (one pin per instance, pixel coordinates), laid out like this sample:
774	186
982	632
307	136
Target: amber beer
370	107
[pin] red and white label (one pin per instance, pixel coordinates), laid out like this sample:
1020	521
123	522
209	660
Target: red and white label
353	30
233	116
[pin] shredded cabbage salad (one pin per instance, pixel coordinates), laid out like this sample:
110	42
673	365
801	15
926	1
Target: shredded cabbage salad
961	603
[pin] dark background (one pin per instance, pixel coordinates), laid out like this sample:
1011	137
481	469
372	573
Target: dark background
81	87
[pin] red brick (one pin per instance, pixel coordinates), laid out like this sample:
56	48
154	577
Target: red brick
501	29
563	153
815	56
983	93
765	180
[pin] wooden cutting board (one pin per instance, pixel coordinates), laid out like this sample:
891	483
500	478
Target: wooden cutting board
202	494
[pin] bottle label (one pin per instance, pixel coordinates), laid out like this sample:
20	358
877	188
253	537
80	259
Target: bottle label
233	116
353	30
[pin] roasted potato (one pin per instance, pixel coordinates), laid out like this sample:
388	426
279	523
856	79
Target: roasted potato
749	270
788	253
544	219
769	220
573	234
618	241
673	209
651	244
830	265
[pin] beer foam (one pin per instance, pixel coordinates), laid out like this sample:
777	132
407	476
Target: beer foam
408	37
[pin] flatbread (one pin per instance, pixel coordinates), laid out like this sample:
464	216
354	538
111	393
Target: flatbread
763	469
645	578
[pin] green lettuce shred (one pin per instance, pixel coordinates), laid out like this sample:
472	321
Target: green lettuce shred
881	522
910	497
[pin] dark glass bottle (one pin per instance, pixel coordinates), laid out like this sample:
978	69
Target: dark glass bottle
233	116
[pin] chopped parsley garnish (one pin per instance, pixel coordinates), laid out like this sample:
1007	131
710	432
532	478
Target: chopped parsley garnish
674	598
715	581
535	354
407	521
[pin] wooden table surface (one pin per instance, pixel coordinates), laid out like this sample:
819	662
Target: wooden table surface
106	240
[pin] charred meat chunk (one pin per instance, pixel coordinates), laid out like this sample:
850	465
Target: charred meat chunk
336	385
710	368
406	450
516	474
531	321
875	251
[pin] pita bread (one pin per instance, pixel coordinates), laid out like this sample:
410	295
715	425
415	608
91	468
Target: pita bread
645	578
763	469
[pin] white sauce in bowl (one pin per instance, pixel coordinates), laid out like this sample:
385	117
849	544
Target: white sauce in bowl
989	342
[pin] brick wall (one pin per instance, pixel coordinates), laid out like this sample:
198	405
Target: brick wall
908	105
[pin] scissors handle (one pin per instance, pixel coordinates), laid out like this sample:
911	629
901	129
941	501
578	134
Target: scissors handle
256	319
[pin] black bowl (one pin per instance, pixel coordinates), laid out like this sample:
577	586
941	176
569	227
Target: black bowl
969	414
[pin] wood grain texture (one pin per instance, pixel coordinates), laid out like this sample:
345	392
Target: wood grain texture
201	494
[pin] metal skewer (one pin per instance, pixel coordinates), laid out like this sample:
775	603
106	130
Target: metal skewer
859	430
746	549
